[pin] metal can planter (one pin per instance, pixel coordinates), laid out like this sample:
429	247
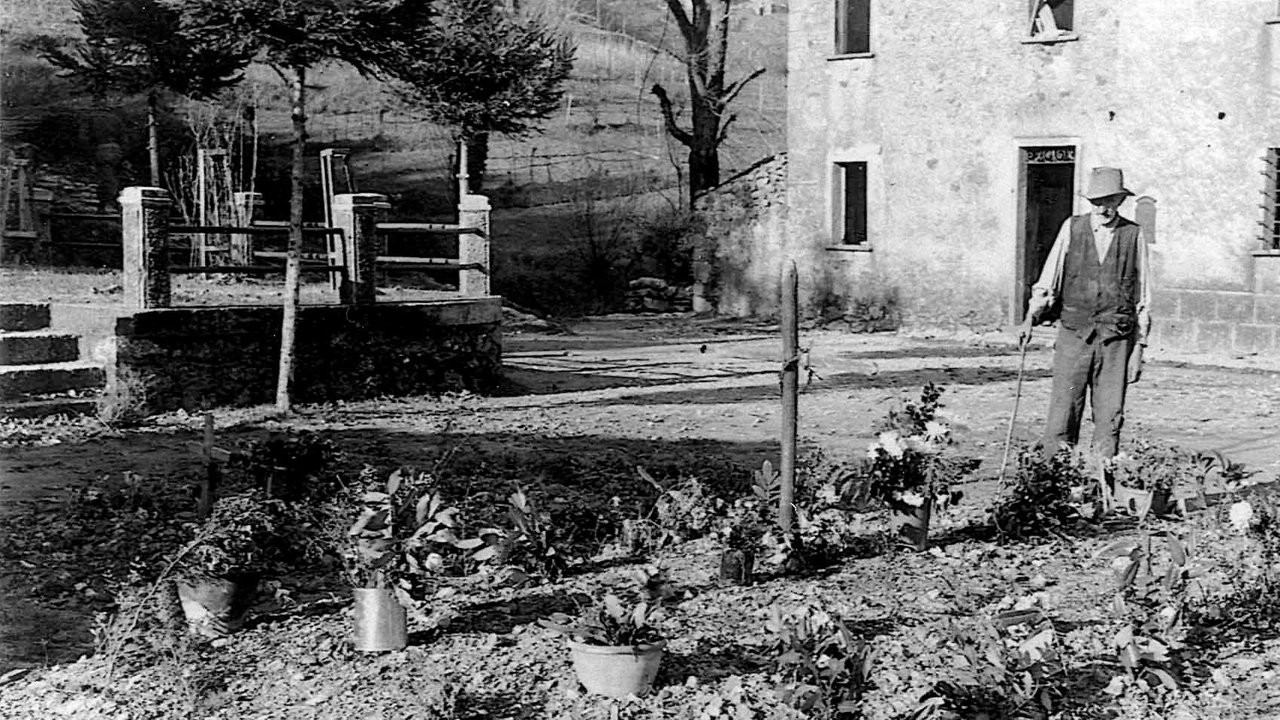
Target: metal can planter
736	566
379	621
216	607
911	523
616	671
1133	501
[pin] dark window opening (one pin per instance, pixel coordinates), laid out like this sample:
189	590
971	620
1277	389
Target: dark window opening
853	26
1052	18
853	177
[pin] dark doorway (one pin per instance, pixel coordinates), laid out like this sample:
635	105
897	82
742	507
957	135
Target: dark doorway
1048	175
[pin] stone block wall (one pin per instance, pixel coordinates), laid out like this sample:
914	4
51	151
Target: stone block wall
738	265
1216	321
196	358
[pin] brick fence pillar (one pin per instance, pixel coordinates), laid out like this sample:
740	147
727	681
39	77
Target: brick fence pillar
144	216
473	248
358	215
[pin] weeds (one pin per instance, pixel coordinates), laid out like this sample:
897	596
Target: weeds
825	668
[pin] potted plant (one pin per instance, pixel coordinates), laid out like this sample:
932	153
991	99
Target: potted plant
909	468
616	648
389	546
243	539
741	534
1143	480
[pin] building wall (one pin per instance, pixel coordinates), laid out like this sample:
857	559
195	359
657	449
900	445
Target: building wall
1183	94
198	358
738	262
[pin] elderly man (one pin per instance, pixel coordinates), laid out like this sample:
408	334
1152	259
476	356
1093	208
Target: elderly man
1095	282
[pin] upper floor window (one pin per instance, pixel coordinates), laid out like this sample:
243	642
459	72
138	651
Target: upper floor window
853	27
1052	18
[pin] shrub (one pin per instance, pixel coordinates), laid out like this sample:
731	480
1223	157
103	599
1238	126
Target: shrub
1039	501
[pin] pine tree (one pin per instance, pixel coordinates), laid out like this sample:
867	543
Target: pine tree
139	46
487	69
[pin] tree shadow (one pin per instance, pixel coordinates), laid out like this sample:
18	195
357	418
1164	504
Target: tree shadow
500	617
710	662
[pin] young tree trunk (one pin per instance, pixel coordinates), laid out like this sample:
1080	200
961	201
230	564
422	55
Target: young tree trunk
153	137
477	159
293	266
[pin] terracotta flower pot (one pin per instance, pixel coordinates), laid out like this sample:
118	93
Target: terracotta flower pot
616	671
216	607
911	523
379	621
736	566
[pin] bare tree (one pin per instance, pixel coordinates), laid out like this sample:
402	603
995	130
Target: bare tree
704	28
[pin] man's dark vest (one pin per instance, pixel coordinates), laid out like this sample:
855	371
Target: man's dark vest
1101	296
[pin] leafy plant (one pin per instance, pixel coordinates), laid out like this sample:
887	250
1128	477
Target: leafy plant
393	539
531	544
292	465
1039	501
744	526
1153	466
683	511
1004	669
611	623
1151	607
246	534
825	668
908	463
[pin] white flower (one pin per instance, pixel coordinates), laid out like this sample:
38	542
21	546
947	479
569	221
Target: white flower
936	431
891	442
908	497
1241	516
434	563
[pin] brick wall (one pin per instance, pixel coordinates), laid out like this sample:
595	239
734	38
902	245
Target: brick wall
196	358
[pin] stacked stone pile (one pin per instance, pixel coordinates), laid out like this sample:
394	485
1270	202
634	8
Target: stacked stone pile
650	294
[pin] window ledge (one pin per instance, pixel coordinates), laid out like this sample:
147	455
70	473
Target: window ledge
851	56
1050	40
1270	252
865	248
1272	20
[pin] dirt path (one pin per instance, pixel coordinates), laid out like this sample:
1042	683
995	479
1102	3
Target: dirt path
638	388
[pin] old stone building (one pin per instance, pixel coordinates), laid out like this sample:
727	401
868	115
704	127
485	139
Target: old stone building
935	148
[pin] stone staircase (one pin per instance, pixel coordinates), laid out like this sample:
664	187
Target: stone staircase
41	373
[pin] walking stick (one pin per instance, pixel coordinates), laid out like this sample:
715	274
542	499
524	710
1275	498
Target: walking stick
1017	396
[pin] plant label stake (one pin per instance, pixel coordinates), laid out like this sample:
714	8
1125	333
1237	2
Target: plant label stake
790	392
213	457
1017	396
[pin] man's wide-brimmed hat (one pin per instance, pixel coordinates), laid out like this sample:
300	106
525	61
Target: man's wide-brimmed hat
1105	181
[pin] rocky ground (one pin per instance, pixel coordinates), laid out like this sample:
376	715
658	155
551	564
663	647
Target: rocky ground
682	397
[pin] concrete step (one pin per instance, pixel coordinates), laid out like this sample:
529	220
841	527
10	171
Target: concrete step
49	407
24	316
22	382
33	347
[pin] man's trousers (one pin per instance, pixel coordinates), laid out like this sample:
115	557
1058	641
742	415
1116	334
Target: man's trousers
1102	368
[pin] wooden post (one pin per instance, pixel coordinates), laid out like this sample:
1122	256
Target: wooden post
144	219
212	472
473	248
790	392
242	243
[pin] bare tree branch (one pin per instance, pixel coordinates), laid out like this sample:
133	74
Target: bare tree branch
682	18
736	87
724	128
668	116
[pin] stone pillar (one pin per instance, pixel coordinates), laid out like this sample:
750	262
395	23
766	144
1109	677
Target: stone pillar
144	215
358	215
473	212
246	204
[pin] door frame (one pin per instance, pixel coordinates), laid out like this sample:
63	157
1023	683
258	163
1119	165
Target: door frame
1020	145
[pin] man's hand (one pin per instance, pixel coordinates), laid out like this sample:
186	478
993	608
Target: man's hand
1024	331
1135	364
